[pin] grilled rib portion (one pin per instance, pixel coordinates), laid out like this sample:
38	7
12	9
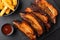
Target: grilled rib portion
41	16
25	28
34	23
48	8
29	10
44	19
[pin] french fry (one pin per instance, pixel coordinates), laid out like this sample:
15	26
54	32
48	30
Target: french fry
0	1
3	11
8	5
1	6
9	1
7	11
14	2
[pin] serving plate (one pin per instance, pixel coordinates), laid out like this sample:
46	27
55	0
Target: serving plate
18	35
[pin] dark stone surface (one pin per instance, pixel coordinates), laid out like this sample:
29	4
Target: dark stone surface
53	34
57	3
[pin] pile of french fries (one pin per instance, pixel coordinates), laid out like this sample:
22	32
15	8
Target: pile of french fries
6	6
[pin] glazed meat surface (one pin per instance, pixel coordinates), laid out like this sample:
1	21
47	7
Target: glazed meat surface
40	15
33	21
44	19
48	8
26	29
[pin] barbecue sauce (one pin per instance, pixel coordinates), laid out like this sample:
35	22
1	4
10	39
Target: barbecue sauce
7	29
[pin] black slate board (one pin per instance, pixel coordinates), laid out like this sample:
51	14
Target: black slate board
19	35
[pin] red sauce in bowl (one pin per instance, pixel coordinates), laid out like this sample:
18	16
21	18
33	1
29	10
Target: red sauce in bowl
7	29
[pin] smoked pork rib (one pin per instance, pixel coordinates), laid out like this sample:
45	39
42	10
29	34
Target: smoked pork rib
48	8
40	15
25	28
31	19
44	19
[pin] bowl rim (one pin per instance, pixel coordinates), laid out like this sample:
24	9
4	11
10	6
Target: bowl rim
14	10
